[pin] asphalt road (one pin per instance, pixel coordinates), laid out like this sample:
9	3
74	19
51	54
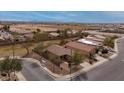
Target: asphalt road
104	33
33	72
108	71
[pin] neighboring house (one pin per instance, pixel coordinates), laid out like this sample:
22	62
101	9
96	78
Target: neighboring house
72	32
6	35
28	36
100	36
90	42
53	34
95	38
85	49
20	38
1	38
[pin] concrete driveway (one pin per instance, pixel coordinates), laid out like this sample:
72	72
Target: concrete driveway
108	71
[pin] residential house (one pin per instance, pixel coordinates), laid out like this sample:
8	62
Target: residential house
53	34
85	49
28	36
95	38
6	35
90	42
72	32
60	54
20	38
100	36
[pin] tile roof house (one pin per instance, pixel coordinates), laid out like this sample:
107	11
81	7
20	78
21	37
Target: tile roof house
80	47
58	50
61	56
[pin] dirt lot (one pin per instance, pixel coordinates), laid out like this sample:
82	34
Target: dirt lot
30	27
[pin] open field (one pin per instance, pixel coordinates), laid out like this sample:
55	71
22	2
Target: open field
30	27
26	28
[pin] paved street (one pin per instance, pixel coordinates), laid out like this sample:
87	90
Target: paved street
104	33
108	71
33	72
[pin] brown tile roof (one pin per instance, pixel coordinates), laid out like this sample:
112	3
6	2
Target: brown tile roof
80	46
58	50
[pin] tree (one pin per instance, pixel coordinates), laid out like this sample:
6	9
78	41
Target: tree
109	41
77	58
38	30
39	48
79	33
34	32
10	65
63	41
6	27
16	65
60	32
26	46
40	36
84	34
5	66
64	33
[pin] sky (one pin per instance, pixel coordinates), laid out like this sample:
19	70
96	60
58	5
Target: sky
64	16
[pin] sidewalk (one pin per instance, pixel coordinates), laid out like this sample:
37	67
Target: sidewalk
20	76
